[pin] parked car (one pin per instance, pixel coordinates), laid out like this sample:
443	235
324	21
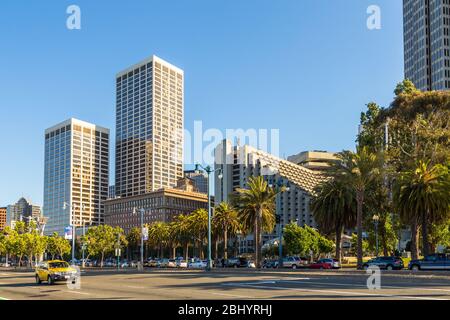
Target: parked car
240	262
163	263
251	264
198	264
387	263
182	264
431	262
292	262
172	263
325	264
269	264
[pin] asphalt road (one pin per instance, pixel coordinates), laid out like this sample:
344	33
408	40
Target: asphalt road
230	284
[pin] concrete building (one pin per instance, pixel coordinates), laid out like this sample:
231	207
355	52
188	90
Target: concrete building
149	127
22	210
2	218
314	160
162	205
76	174
238	163
426	33
199	179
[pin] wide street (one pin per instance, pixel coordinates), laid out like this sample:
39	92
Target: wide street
231	285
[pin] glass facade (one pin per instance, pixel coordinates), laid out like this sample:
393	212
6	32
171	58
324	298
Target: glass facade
76	174
426	43
149	124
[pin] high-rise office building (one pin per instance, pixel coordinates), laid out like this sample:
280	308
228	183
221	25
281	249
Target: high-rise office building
22	210
76	174
426	25
149	127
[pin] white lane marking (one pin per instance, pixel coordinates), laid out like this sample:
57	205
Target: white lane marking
231	295
1	298
363	286
77	292
135	287
334	292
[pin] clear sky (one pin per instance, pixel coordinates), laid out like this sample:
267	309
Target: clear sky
306	67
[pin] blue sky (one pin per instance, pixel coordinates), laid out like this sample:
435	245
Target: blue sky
306	67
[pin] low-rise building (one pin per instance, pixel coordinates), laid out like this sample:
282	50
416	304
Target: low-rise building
314	160
160	206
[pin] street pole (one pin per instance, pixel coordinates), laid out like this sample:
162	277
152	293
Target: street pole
117	253
376	236
142	238
280	246
209	223
82	245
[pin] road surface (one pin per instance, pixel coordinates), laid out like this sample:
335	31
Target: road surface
230	284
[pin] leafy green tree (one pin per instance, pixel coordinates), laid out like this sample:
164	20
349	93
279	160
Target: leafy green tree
57	245
297	239
354	245
226	222
103	239
256	210
405	87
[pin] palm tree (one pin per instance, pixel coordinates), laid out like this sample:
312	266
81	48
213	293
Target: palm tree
181	232
422	196
256	210
158	235
226	220
198	226
359	170
334	208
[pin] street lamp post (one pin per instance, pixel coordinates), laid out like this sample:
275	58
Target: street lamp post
141	211
279	187
209	170
73	206
376	220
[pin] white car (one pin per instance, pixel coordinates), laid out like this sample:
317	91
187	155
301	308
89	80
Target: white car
182	264
198	264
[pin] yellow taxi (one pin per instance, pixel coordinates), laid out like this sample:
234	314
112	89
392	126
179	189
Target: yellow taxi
53	271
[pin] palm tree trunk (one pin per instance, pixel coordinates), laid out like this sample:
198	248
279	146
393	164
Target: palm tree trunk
258	230
338	243
225	245
425	246
216	253
414	241
186	251
174	252
360	200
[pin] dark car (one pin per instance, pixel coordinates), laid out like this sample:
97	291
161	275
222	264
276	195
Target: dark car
236	263
387	263
431	262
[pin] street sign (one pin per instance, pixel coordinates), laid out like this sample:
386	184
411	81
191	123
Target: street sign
145	233
118	252
68	233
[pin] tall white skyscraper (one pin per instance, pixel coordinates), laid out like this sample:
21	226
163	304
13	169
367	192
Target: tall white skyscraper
76	174
149	127
426	28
